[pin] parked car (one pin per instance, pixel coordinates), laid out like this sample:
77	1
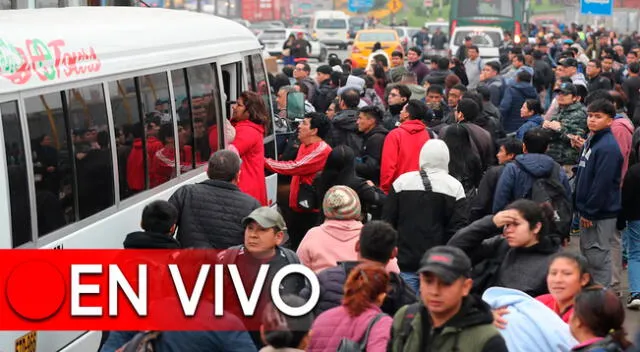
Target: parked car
274	38
258	27
366	39
405	34
487	39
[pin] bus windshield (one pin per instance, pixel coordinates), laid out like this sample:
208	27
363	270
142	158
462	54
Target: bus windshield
475	8
327	23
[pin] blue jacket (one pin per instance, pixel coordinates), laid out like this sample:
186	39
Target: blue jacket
532	122
597	193
518	177
192	341
531	326
511	103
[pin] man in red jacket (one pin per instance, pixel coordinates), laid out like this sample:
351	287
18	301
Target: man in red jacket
135	161
401	149
312	155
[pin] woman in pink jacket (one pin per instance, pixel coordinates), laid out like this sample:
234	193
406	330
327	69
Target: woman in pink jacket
364	292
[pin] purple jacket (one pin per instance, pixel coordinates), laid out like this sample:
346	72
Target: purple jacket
420	69
335	324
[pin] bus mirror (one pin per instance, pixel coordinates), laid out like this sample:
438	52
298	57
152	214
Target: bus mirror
295	105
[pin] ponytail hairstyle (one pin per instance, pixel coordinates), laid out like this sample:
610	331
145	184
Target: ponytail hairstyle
366	282
283	331
536	213
601	311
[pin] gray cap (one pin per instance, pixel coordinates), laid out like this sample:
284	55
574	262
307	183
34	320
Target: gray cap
266	217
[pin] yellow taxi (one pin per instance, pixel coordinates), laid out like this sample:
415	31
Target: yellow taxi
366	38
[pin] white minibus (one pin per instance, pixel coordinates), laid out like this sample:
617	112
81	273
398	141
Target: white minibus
331	28
80	88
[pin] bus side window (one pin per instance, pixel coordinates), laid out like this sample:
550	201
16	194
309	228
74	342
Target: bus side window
91	149
52	150
17	172
205	106
260	85
128	126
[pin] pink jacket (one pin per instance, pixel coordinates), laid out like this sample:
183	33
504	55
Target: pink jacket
332	242
335	324
622	130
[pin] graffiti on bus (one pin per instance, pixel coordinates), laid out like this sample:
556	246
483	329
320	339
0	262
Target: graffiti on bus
45	61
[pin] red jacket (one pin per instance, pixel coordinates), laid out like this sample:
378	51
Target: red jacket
401	152
249	143
164	164
135	162
309	161
550	302
213	138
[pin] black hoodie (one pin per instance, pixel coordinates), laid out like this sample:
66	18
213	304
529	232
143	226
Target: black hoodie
344	130
368	165
150	240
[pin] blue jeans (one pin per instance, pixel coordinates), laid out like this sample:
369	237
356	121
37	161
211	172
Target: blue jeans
412	280
632	236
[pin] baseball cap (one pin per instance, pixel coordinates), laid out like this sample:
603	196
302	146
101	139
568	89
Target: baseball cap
266	217
569	62
447	262
567	88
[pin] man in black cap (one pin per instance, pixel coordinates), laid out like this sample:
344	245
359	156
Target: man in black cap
326	93
568	67
448	318
461	54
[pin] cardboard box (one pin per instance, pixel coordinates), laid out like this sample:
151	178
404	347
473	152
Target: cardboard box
272	65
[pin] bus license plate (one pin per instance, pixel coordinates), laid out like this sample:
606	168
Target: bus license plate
26	343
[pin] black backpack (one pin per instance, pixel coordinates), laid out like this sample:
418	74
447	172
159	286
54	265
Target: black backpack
551	190
347	345
143	342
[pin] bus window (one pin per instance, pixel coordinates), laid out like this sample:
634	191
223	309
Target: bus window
159	130
126	115
476	8
205	106
17	172
260	85
87	116
51	148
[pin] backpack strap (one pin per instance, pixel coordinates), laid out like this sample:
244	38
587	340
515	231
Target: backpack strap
363	341
425	181
407	319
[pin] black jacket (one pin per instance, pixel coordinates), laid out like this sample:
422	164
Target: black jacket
210	214
325	94
598	83
368	164
332	289
150	240
523	269
391	118
543	75
344	130
438	76
371	198
483	202
630	191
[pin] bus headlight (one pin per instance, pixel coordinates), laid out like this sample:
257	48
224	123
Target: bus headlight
517	39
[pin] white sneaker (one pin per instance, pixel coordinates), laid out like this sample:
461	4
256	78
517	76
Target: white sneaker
634	301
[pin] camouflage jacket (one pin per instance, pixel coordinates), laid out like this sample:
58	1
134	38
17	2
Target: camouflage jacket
574	122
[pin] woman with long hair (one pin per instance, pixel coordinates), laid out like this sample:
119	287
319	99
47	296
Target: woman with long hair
381	81
340	169
464	162
249	119
364	291
597	321
514	246
287	56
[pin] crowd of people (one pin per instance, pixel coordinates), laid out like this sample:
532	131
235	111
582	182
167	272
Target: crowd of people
435	202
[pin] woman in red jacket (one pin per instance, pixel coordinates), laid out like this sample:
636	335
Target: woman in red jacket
249	119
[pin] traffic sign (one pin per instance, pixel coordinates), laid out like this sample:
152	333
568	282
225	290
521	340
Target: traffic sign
428	3
596	7
394	5
360	5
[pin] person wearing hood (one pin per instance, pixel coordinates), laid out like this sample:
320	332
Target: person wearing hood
518	177
426	207
531	326
401	153
373	135
335	239
159	224
531	111
570	120
344	129
438	76
513	99
448	318
515	245
398	96
356	83
376	244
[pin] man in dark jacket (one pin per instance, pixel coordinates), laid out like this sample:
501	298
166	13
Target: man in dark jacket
518	177
490	78
344	127
159	224
595	81
438	76
399	95
426	207
597	195
326	93
210	212
543	74
373	134
415	64
513	99
509	149
377	244
448	318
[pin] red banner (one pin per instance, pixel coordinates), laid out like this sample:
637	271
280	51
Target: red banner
141	290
